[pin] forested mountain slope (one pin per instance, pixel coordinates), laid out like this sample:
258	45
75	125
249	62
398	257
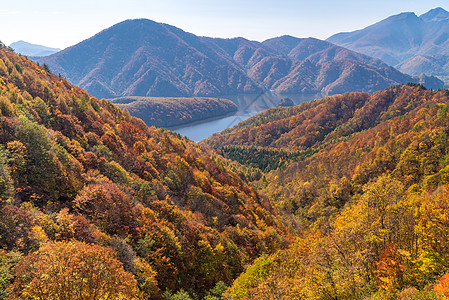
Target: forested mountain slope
367	188
361	179
94	201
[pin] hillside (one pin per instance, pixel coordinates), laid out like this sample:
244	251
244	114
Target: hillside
171	112
145	58
437	65
349	198
94	201
364	178
317	51
403	41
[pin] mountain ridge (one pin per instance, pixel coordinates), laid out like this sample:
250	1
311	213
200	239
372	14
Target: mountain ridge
140	64
402	37
145	58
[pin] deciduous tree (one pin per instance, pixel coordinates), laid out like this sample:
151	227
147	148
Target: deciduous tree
72	271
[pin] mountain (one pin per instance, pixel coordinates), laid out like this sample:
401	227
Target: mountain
34	50
145	58
364	180
92	200
291	65
435	15
171	112
401	38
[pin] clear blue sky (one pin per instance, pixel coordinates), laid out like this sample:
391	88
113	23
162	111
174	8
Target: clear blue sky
62	23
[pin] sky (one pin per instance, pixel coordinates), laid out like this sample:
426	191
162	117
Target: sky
62	23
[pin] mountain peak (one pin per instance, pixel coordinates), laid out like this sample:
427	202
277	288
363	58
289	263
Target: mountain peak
436	14
401	16
133	24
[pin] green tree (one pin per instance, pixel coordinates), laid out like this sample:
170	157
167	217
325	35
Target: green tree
8	260
41	167
46	68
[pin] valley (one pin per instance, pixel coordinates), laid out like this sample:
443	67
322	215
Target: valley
147	162
248	105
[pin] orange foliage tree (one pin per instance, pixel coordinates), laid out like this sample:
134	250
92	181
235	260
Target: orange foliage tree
73	270
442	288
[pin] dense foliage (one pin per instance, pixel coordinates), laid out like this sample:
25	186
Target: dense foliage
89	272
170	112
94	202
85	186
368	196
263	158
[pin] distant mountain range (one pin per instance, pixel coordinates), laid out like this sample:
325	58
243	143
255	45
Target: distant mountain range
145	58
414	44
28	49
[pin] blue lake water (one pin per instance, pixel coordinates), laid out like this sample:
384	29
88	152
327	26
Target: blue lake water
248	106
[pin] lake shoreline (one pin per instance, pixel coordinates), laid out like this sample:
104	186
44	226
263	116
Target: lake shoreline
199	122
248	106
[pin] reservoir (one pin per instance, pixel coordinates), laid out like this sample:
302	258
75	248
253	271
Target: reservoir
248	106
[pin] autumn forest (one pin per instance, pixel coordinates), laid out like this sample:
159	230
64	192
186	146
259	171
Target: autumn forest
343	197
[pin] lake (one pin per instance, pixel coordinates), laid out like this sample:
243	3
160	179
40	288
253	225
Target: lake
248	106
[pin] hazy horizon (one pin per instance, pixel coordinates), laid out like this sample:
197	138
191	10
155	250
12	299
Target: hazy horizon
59	25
